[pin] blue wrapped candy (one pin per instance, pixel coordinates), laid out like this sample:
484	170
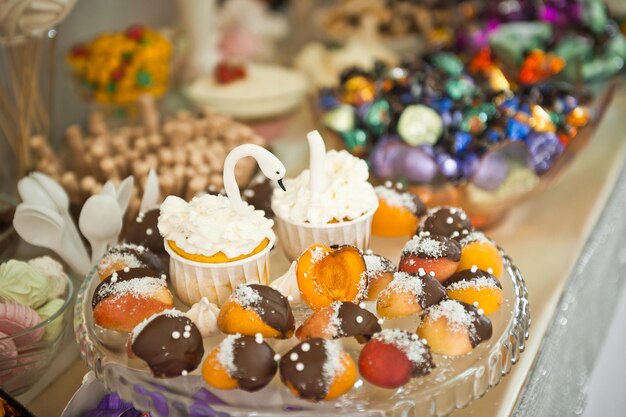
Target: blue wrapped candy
517	130
461	141
386	157
417	165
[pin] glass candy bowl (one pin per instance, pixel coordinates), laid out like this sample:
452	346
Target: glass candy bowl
507	173
453	384
22	367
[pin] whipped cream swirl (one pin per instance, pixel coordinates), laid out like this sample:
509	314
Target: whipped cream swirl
348	194
209	224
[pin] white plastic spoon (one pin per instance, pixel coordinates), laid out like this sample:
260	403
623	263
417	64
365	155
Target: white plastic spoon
32	191
62	201
151	192
124	191
100	222
43	227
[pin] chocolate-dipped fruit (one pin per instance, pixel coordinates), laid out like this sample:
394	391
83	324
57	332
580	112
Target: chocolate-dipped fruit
478	250
129	256
476	287
317	370
144	231
438	256
256	308
340	319
398	212
450	222
379	274
243	362
393	357
409	294
121	305
454	328
169	343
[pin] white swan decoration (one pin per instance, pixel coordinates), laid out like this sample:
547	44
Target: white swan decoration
270	165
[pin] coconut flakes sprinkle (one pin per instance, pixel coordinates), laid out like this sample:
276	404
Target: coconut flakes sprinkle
396	199
333	364
426	245
404	282
476	282
414	348
245	296
226	356
454	312
376	264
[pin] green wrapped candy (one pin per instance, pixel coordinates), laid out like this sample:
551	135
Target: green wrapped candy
355	141
510	41
419	125
377	117
54	328
459	88
449	63
341	119
21	283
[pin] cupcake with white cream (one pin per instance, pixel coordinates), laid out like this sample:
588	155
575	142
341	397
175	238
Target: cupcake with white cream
216	242
331	203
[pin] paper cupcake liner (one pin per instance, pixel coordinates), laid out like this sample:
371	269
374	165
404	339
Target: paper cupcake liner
296	237
193	280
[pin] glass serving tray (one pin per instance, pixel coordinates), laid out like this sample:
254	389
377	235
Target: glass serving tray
453	384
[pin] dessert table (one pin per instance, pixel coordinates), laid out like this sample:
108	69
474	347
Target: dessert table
567	243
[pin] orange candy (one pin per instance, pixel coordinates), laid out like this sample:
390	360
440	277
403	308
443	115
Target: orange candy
326	275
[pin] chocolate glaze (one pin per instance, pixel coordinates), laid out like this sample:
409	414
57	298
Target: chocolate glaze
259	195
468	275
363	331
274	309
308	382
433	291
120	276
254	363
139	235
145	256
436	223
451	248
166	356
480	329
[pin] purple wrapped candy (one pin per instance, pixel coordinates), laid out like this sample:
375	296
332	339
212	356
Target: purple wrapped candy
469	164
492	172
386	157
544	148
113	406
417	165
447	165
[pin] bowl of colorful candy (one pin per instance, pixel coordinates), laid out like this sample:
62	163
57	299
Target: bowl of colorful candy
35	299
117	68
463	131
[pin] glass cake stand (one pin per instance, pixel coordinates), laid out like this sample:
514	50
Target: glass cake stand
453	384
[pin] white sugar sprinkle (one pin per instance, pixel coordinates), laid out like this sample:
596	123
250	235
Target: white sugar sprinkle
186	335
362	304
184	372
305	347
449	220
300	366
277	357
126	269
474	268
149	231
490	270
187	328
258	338
175	335
293	357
